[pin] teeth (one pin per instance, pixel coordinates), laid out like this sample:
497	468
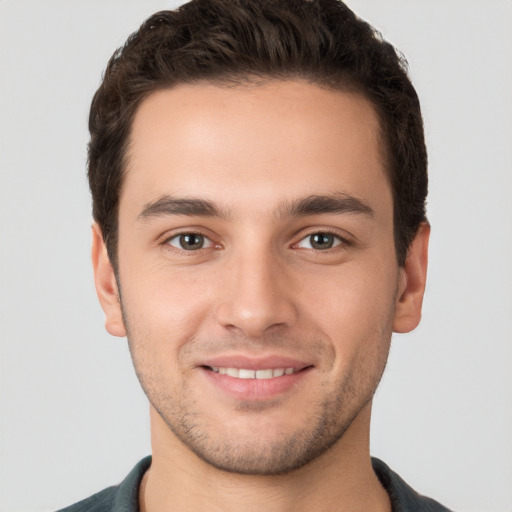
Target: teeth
233	372
242	373
264	374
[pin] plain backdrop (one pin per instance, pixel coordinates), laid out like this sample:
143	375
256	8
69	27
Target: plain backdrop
72	417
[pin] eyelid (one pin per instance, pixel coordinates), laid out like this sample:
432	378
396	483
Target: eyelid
190	230
208	243
336	243
343	241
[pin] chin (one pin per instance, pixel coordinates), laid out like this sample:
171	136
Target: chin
261	444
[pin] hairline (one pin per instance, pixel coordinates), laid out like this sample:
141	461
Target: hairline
234	80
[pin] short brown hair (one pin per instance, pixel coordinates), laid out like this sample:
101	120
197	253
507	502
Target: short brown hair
235	41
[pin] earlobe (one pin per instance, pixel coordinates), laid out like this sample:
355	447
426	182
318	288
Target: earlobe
412	283
106	285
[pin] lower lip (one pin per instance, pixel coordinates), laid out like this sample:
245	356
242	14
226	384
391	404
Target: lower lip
255	389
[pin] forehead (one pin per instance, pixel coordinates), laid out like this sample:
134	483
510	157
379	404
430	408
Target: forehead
259	143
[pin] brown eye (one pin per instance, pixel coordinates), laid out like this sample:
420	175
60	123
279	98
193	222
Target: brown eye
320	241
190	242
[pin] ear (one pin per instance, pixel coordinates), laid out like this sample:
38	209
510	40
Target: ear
412	281
106	285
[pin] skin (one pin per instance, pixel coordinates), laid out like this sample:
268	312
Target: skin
259	287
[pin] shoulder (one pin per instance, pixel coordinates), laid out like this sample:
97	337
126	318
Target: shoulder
403	497
119	498
99	502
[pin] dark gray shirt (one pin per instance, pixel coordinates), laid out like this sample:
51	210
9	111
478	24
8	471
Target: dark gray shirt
125	496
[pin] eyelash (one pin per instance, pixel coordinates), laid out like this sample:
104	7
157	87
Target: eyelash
211	245
340	242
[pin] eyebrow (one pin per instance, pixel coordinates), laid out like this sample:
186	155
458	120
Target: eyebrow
338	203
168	205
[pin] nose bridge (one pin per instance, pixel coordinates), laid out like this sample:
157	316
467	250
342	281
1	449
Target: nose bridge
255	295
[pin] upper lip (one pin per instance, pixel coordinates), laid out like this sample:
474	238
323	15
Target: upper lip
255	363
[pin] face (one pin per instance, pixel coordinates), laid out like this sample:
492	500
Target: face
257	273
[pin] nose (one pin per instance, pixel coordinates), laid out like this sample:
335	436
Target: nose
256	296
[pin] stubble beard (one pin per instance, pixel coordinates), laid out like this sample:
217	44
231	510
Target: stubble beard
248	452
245	454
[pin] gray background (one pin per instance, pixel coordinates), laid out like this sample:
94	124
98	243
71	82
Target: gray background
72	417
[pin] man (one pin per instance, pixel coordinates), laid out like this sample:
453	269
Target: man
258	174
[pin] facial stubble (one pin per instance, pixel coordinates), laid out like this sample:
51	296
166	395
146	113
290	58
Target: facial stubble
247	452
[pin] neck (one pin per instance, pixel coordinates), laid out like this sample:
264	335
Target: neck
341	479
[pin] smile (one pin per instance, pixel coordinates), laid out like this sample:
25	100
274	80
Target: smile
243	373
244	379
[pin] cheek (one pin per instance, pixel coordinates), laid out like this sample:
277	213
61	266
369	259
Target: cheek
165	307
355	296
354	310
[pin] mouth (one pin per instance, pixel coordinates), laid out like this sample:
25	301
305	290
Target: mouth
246	373
256	380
